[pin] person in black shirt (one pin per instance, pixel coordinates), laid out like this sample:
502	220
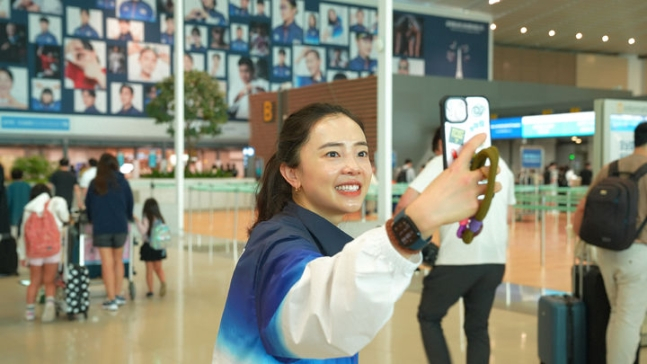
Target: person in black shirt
65	184
586	174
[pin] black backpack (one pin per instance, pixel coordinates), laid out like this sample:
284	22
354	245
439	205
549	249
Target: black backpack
611	210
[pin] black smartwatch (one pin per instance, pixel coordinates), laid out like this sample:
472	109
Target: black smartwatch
407	233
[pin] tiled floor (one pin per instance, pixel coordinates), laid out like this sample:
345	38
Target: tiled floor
181	328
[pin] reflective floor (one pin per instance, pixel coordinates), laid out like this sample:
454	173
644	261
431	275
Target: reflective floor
181	327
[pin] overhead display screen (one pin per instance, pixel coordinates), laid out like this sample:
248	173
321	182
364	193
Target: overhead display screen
544	126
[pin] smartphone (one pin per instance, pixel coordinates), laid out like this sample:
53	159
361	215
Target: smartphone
461	118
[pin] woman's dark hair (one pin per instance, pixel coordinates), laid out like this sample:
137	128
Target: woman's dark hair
275	192
8	72
38	189
16	174
151	211
106	173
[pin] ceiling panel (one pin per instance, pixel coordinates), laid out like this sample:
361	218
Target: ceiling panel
618	19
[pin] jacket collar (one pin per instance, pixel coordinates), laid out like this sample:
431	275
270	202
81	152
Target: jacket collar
329	238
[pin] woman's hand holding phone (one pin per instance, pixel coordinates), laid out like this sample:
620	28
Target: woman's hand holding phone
453	195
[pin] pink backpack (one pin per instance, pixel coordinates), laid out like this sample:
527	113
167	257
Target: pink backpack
42	237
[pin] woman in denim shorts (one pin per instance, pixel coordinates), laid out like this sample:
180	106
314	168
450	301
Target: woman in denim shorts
109	204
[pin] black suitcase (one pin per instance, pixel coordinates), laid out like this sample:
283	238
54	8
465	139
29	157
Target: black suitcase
8	256
561	330
598	310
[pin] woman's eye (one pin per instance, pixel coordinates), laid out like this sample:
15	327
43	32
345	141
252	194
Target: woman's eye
363	153
332	154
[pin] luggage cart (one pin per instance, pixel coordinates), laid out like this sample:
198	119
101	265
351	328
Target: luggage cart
91	259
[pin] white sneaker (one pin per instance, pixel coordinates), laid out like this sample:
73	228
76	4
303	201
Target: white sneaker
30	314
110	305
49	313
120	300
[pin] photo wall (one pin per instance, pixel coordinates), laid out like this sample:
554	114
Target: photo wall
104	57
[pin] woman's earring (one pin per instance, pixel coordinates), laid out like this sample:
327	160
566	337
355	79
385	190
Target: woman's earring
297	189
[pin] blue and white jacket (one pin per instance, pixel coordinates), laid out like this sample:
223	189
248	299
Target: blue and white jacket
304	291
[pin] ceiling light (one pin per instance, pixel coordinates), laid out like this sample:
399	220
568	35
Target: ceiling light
632	41
492	26
551	33
578	35
605	38
523	30
494	1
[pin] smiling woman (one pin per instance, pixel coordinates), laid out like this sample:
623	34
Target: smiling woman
303	289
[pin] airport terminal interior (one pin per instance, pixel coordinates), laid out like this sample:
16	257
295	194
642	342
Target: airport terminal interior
565	83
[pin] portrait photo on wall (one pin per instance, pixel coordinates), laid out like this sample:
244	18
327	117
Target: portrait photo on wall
208	11
125	30
85	64
244	79
195	38
142	10
45	29
166	6
13	43
5	9
126	99
311	35
337	57
90	101
259	39
219	38
13	88
309	65
47	61
38	6
459	50
362	54
150	93
148	62
116	60
45	94
336	75
84	22
262	8
107	4
407	35
167	29
282	68
240	8
216	64
287	21
239	40
408	66
334	24
193	61
360	20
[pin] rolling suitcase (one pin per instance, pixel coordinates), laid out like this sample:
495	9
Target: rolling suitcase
561	330
74	293
8	255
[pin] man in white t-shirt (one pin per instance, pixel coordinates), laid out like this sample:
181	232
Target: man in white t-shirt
88	176
471	271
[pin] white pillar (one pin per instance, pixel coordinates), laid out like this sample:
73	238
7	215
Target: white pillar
384	109
179	111
635	74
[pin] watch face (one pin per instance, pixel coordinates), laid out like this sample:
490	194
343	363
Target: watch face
406	232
